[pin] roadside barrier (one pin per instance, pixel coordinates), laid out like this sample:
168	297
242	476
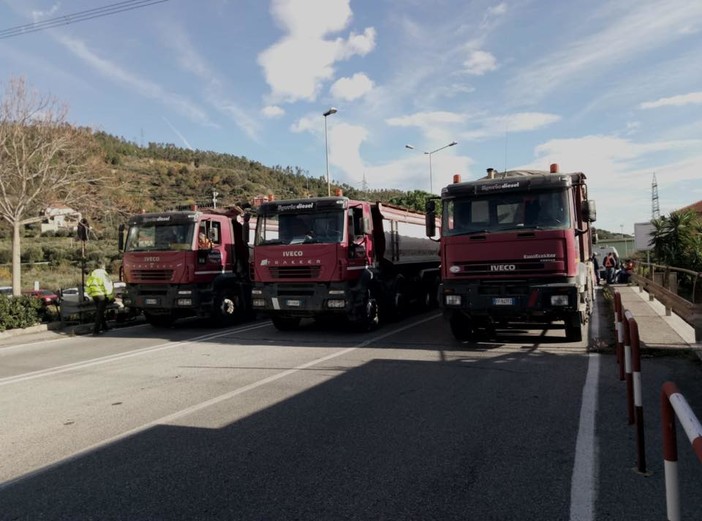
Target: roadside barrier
637	404
673	403
629	361
627	370
620	332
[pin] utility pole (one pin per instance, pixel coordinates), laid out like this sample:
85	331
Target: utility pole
655	208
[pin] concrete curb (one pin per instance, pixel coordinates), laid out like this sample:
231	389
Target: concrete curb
11	333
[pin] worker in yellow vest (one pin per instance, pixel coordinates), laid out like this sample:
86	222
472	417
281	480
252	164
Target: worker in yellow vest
99	287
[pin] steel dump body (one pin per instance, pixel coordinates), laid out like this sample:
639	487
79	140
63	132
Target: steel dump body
168	275
516	248
321	257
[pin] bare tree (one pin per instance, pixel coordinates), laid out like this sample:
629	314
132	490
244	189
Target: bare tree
43	161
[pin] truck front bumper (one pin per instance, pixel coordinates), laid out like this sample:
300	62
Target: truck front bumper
549	301
302	300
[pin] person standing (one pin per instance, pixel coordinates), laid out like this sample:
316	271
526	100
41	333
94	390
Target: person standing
609	264
596	266
99	287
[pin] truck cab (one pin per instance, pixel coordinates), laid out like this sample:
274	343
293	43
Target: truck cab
516	246
170	274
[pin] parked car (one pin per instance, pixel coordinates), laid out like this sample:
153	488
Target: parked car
46	296
71	294
6	290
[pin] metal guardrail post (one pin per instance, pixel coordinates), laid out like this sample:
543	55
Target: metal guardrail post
620	332
627	369
638	394
673	403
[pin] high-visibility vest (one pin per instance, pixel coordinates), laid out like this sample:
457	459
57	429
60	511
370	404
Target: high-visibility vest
98	284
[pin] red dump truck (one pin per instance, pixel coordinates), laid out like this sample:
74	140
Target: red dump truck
516	246
171	274
333	257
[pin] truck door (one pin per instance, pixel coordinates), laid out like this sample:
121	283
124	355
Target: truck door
211	253
359	243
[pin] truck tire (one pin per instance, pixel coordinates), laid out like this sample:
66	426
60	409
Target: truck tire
158	320
286	323
574	328
370	318
461	327
225	310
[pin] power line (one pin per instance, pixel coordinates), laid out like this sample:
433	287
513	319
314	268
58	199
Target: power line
80	16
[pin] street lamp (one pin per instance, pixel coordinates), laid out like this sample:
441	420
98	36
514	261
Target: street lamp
329	112
431	181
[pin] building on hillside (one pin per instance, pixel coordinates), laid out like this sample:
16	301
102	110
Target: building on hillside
59	217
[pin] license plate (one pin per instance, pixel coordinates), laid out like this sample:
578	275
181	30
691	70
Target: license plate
151	301
293	303
503	301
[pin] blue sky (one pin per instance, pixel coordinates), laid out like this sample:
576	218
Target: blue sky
610	88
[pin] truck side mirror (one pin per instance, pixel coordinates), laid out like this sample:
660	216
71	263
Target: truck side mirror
120	237
589	211
430	219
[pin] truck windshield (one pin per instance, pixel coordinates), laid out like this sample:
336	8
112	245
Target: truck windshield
506	211
160	236
299	228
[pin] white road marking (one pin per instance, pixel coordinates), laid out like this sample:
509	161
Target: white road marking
583	490
200	406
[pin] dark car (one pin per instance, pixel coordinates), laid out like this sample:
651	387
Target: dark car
46	296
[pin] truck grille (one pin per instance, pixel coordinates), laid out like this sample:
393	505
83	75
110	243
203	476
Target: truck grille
294	272
151	275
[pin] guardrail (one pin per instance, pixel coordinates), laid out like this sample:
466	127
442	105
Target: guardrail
673	404
629	361
662	283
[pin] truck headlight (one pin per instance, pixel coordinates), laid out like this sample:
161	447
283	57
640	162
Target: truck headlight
184	302
336	303
559	300
258	302
452	300
257	291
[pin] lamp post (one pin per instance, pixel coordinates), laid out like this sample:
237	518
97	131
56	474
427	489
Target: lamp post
431	181
329	112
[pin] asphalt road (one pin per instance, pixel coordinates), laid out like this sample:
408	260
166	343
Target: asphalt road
249	423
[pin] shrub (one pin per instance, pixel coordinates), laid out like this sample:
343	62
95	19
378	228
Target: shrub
18	312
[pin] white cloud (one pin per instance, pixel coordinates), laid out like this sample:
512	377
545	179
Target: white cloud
177	38
297	66
629	32
272	111
693	98
144	87
480	62
426	119
619	173
352	88
510	123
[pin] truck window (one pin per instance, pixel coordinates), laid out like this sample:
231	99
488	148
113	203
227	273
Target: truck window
298	228
507	211
159	236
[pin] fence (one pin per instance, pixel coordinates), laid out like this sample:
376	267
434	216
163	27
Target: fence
674	404
664	284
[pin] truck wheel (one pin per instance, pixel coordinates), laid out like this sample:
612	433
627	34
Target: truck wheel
573	328
371	312
461	327
225	311
286	323
159	320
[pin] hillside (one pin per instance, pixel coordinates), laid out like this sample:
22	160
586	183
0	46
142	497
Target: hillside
163	176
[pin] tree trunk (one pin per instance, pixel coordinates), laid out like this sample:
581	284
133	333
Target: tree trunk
16	260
